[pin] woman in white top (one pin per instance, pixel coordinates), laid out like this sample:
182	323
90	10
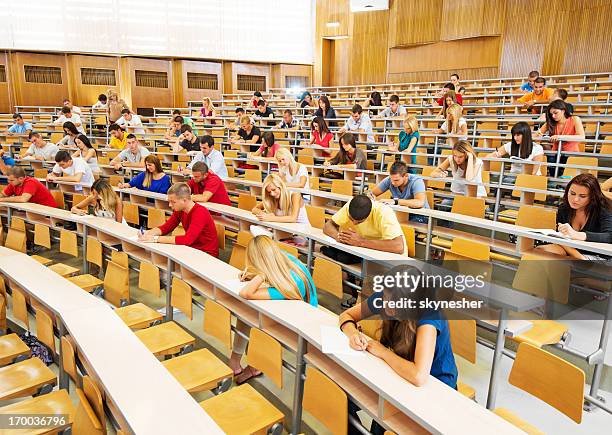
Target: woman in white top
523	149
455	125
294	173
70	135
279	204
464	166
87	152
105	202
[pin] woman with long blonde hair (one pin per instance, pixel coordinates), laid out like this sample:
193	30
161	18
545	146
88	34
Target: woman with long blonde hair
152	178
105	202
270	273
455	125
279	204
208	109
294	173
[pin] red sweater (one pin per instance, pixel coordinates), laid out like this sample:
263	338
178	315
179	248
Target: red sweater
200	231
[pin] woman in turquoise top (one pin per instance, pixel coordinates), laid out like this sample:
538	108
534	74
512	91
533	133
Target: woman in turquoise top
270	274
408	140
152	179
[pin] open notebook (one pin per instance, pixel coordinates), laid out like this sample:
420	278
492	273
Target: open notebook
549	232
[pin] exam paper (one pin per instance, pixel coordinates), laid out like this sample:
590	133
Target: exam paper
334	341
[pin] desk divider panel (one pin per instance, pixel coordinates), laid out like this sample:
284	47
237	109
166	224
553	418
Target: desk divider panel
238	307
283	334
199	284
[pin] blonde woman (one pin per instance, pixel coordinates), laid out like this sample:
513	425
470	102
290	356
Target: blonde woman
408	138
152	178
449	99
270	274
455	125
104	200
208	109
279	204
295	174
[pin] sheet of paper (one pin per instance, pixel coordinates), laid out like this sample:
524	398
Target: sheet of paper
234	284
334	341
549	232
133	238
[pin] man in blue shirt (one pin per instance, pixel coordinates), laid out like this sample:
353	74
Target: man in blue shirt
528	86
406	189
20	126
6	161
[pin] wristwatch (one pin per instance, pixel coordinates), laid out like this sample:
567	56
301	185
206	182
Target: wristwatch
396	200
155	239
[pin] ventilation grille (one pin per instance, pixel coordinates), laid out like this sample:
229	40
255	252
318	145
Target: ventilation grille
151	79
97	76
43	74
2	74
202	81
251	83
296	81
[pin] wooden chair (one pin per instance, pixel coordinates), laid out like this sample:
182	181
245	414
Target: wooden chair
238	255
246	202
469	206
54	403
114	180
12	348
149	278
200	370
327	276
44	329
463	343
87	419
581	161
410	239
220	235
342	187
470	249
242	409
69	359
316	216
529	181
534	217
68	245
289	249
16	240
313	183
58	196
217	322
432	184
252	175
18	224
117	292
131	213
325	401
155	217
40	173
166	339
550	379
25	378
42	237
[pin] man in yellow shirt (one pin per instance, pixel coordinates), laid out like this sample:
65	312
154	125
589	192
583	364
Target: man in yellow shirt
118	137
540	94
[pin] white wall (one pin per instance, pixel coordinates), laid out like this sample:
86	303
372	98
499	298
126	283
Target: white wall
247	30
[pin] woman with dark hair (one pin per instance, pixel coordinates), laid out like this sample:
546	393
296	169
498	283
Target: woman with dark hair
348	154
449	99
375	100
414	342
152	178
561	125
584	214
320	134
325	109
87	152
71	133
521	147
268	146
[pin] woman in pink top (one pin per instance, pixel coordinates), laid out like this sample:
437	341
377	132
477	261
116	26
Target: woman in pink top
268	146
561	126
208	109
320	134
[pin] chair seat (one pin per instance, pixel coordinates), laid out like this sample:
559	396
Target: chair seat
466	390
55	403
63	269
86	281
24	378
11	347
509	213
138	316
165	339
242	410
439	241
542	332
198	371
42	260
518	422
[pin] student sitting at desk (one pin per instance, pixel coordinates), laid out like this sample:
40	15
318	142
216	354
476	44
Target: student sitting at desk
174	128
408	138
294	173
208	110
584	214
87	152
455	125
248	133
200	231
363	223
358	122
268	147
406	189
523	148
540	94
206	186
133	156
129	119
325	109
25	189
6	161
209	155
118	139
393	109
320	134
68	115
186	120
152	179
70	135
186	141
273	274
464	165
106	203
415	343
279	204
20	126
39	149
73	170
348	155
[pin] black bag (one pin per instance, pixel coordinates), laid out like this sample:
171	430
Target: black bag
37	348
333	174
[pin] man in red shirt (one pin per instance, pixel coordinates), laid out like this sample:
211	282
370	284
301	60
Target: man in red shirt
200	231
442	94
206	186
25	189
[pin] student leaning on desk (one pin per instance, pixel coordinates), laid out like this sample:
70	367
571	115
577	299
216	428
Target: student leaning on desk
70	169
133	156
106	203
152	179
273	274
415	343
25	189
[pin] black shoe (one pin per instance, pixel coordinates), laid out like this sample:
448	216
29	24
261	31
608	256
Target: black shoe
350	302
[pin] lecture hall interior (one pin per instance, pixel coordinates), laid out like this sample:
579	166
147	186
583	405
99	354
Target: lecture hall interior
306	217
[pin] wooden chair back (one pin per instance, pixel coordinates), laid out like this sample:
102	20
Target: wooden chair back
148	278
246	201
432	184
68	358
20	307
543	278
288	248
114	180
316	216
58	196
252	175
342	187
217	322
181	297
470	249
469	206
409	239
121	258
42	236
313	183
68	243
463	338
265	354
327	276
131	213
155	217
94	251
536	217
326	401
16	240
549	378
17	224
581	161
44	329
529	181
116	280
220	235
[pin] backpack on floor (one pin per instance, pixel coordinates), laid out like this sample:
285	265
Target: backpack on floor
37	348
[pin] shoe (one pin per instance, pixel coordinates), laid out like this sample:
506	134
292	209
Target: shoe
350	302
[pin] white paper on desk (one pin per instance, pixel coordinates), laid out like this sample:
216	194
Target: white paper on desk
334	341
328	240
549	232
234	284
133	238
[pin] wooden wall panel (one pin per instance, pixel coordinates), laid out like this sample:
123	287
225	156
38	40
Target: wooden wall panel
280	71
43	94
414	22
86	95
471	18
148	97
442	75
236	68
5	93
329	11
369	47
340	62
184	93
